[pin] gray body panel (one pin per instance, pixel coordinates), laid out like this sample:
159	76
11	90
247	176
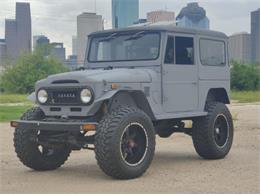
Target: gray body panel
172	91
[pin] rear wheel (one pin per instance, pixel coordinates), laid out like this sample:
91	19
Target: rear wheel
31	153
213	134
125	143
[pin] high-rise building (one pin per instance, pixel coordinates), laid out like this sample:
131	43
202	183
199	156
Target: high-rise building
12	51
35	38
140	21
24	29
86	24
18	32
74	45
240	47
71	62
124	13
255	35
40	40
193	16
160	16
2	54
58	51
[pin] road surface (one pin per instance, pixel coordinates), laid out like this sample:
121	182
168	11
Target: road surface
176	167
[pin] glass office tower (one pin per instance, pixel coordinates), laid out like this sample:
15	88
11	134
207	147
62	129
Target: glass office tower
124	13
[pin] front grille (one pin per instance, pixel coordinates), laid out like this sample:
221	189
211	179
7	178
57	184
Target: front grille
64	97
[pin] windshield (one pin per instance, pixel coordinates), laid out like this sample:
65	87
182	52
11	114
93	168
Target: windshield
125	47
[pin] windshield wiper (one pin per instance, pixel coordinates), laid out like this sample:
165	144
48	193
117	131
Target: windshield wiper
110	37
135	36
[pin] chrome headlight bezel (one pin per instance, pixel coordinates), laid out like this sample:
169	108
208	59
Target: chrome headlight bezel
86	96
42	96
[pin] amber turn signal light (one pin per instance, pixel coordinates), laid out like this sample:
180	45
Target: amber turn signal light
89	127
114	86
14	124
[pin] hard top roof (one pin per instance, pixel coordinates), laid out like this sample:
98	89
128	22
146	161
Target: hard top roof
166	28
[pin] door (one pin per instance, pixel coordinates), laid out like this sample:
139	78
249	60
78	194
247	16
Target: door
180	74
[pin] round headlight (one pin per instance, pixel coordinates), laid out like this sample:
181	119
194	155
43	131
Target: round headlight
86	96
42	96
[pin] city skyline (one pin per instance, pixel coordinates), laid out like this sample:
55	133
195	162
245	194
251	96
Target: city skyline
48	17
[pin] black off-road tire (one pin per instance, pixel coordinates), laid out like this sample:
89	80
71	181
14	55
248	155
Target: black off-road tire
27	149
204	128
108	143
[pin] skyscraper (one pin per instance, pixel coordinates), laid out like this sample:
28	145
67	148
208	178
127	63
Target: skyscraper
255	35
160	16
12	51
71	62
40	40
58	51
2	53
193	16
18	32
74	45
240	47
24	29
2	50
124	13
86	24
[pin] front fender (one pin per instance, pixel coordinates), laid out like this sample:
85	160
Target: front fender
137	98
107	95
98	102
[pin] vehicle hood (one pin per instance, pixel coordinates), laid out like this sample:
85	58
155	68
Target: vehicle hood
114	75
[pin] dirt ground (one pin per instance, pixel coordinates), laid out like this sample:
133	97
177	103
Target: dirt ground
176	167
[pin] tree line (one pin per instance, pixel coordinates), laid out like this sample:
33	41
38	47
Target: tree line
245	77
29	68
20	77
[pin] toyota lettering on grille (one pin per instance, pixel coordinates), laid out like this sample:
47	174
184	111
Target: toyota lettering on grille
66	95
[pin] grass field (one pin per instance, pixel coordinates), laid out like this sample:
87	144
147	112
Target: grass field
245	96
8	113
12	106
13	98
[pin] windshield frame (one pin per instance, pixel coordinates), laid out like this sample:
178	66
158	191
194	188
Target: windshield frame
123	33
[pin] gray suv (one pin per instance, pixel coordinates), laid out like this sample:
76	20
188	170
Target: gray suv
137	82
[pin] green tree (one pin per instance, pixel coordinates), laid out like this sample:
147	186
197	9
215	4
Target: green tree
21	77
245	76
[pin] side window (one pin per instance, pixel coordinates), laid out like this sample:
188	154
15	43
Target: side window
212	52
184	48
169	54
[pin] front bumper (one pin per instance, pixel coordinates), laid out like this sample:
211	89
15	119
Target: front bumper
54	126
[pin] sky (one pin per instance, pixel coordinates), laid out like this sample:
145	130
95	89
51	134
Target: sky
56	19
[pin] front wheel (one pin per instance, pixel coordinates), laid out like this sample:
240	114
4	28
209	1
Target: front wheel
125	143
31	153
213	134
